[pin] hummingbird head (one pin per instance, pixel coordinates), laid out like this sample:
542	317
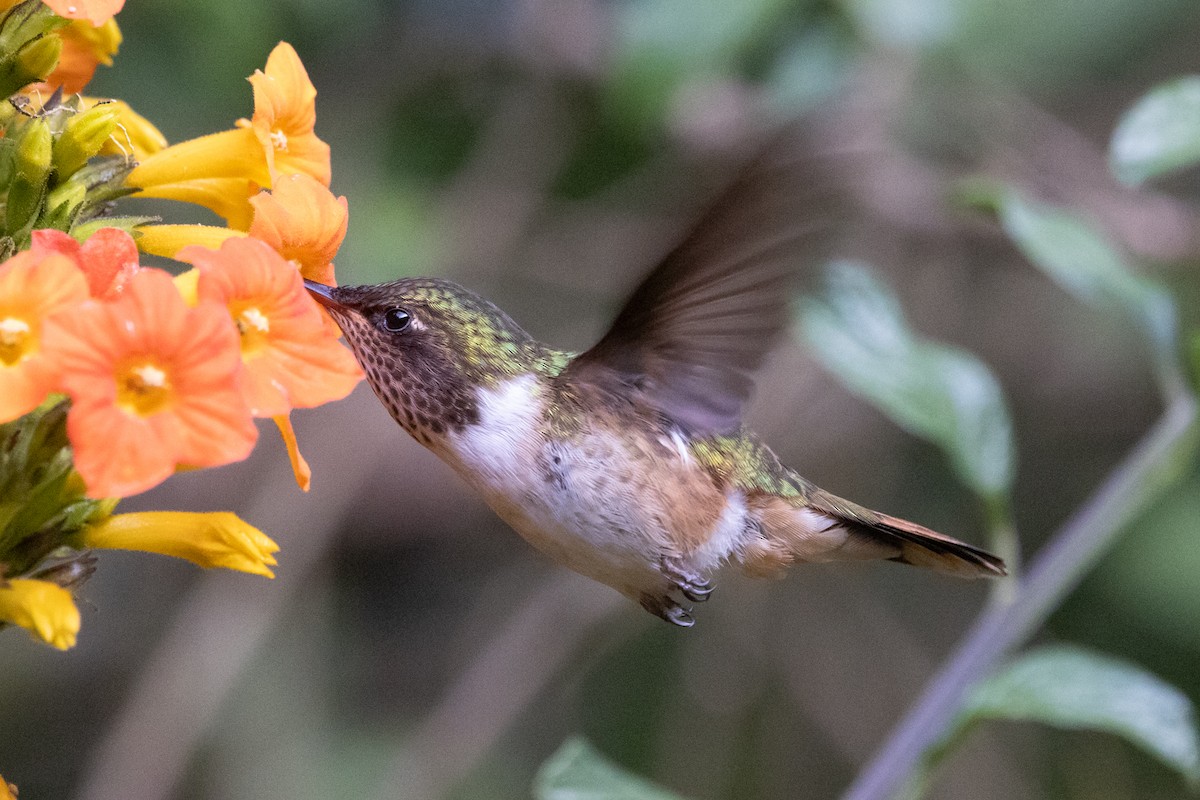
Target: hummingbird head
426	345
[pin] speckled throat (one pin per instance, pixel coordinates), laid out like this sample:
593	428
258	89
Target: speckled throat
453	341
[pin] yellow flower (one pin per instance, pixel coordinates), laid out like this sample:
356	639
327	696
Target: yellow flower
215	539
44	609
221	171
168	240
8	791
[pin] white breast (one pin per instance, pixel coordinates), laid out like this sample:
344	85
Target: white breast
577	501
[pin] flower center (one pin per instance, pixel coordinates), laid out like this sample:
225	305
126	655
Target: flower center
254	326
143	389
279	140
14	340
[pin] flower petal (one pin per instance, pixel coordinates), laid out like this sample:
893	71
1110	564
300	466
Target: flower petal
44	609
84	47
285	114
95	11
215	539
33	286
300	467
168	240
154	384
108	258
302	220
234	153
292	358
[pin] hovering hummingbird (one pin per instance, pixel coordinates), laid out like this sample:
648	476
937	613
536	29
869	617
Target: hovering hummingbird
629	462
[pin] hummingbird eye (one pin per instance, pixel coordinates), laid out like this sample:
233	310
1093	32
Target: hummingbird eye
396	319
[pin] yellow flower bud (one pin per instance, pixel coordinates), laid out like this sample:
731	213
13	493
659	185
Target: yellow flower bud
44	609
216	539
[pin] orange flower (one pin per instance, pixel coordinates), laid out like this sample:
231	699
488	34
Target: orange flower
108	258
292	359
300	219
279	139
154	384
84	47
285	112
303	222
32	286
95	11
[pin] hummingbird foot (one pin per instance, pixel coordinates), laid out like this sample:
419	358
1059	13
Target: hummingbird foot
690	584
667	608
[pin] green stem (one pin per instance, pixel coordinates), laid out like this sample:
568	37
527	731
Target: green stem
1156	464
1002	536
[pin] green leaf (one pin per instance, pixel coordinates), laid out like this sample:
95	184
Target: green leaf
1080	258
1072	688
663	45
940	393
578	772
1160	134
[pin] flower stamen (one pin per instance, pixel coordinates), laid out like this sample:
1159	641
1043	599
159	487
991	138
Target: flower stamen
143	389
14	338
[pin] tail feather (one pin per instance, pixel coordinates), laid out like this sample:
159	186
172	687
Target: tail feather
921	547
828	528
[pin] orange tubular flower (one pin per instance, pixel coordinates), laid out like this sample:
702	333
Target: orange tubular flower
108	258
154	384
303	222
279	139
84	47
32	286
285	112
292	359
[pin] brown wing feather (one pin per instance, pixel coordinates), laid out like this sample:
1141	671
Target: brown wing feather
690	336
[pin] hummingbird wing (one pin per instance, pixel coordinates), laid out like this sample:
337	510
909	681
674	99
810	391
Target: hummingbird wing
691	335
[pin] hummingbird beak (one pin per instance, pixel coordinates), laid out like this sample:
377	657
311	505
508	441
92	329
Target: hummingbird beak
322	294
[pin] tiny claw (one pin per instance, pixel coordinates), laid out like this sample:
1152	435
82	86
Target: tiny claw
678	615
696	592
665	607
690	584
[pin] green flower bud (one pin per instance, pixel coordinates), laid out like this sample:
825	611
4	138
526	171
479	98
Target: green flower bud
83	136
63	205
33	62
31	168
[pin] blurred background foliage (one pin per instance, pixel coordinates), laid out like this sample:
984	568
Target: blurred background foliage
545	152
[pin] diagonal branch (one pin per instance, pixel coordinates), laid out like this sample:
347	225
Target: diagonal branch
1148	471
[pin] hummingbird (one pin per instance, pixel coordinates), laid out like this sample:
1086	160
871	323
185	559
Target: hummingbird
630	462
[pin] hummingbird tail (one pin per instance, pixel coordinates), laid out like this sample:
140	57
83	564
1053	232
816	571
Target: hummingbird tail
839	531
921	547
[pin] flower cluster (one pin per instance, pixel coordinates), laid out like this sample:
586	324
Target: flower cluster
115	374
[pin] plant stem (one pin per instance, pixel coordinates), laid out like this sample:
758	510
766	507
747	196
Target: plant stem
1157	462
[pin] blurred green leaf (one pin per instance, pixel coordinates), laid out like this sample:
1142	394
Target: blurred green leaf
1069	687
578	772
1159	134
661	45
814	66
1080	258
907	23
938	392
